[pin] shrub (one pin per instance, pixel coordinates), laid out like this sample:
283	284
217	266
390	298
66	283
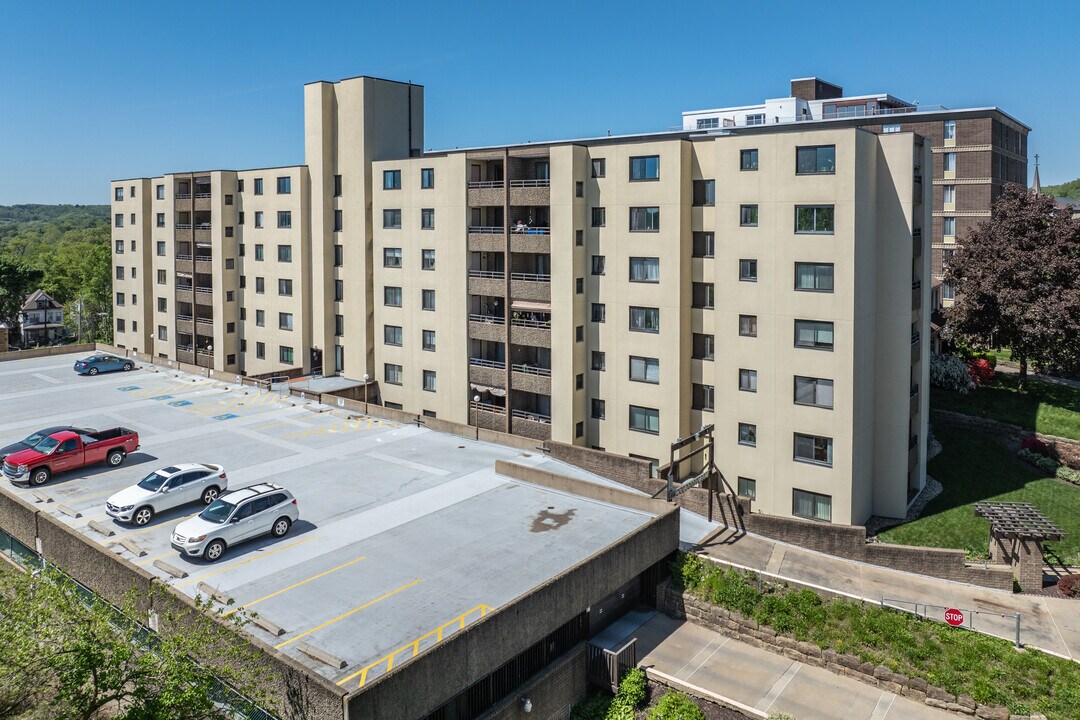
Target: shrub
950	373
1067	474
980	371
632	687
1044	463
675	706
594	707
1069	585
1035	445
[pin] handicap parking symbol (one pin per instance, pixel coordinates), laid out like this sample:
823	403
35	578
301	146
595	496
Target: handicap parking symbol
129	388
161	397
180	403
226	416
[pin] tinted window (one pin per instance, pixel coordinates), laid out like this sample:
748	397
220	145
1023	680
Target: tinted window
47	445
260	504
68	445
153	481
276	499
218	512
246	510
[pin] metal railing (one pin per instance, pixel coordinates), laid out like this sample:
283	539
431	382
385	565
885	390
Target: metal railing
205	320
915	338
204	290
487	229
480	184
531	277
536	182
522	322
183	226
203	226
495	274
533	416
204	257
203	195
184	288
531	230
916	285
182	257
490	319
183	196
914	389
967	621
184	317
488	408
532	370
913	441
204	352
186	348
481	362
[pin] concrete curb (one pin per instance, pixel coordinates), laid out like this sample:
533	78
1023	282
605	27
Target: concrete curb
170	569
262	623
132	547
209	591
665	679
103	529
322	656
41	497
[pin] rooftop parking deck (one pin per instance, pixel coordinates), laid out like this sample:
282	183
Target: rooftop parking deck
405	535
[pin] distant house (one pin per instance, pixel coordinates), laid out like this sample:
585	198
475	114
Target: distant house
41	319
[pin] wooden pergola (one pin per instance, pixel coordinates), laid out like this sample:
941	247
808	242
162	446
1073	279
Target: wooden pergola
1017	533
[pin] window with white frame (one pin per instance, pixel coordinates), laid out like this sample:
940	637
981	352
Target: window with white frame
747	380
646	420
813	506
644	369
748	434
813	391
813	449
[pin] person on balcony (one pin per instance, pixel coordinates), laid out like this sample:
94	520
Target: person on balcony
520	226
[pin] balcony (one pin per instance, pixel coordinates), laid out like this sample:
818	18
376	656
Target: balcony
916	297
185	324
530	286
203	296
487	372
204	264
916	242
184	293
203	233
916	351
485	193
184	264
486	238
202	200
487	327
488	416
530	333
913	409
530	424
487	282
205	323
185	355
531	378
530	192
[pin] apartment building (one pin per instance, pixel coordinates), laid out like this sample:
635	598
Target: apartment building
617	293
975	151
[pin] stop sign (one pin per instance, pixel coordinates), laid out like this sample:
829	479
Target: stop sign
954	617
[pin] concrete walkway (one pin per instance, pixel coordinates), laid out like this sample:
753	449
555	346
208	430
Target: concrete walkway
1015	370
1049	624
752	680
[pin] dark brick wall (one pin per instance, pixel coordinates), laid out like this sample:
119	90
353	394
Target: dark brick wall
553	693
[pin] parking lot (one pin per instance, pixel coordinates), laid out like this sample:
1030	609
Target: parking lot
405	535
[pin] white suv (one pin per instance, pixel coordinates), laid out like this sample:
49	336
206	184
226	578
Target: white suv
167	488
233	518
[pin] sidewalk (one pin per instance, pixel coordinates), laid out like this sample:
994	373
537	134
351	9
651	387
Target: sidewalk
761	682
1049	624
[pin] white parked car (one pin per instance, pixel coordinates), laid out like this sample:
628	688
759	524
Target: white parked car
167	488
240	515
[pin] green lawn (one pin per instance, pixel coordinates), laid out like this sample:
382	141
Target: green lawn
1044	407
976	466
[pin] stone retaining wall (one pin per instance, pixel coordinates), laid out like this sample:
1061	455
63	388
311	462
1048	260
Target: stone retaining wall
1067	449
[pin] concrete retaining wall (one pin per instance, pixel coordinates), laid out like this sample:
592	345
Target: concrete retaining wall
561	686
51	350
1066	449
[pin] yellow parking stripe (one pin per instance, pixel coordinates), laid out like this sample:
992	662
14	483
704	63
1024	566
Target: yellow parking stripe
355	610
238	563
296	585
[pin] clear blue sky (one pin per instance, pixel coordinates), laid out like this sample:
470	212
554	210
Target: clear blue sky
91	91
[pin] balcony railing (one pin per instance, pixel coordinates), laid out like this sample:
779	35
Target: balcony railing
530	277
525	322
488	408
203	195
183	196
496	274
183	226
204	352
530	230
186	348
538	182
204	320
534	416
490	319
184	288
204	289
487	229
497	364
204	257
532	370
203	226
917	232
182	257
916	284
914	389
913	441
485	183
184	317
915	338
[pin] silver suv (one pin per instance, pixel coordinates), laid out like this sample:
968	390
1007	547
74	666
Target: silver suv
167	488
235	517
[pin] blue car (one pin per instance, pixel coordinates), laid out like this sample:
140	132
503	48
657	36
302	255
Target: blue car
102	363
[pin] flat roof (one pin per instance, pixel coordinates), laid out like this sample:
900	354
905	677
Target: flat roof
404	532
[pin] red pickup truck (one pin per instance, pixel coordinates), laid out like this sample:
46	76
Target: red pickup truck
66	450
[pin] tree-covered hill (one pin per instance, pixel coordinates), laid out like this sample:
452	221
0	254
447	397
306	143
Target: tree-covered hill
1069	190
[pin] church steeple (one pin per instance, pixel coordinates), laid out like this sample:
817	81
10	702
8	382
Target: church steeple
1035	183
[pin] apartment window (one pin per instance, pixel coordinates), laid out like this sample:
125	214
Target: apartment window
428	340
644	319
820	160
258	219
813	506
337	186
814	219
814	334
260	285
813	391
747	435
704	346
230	327
645	168
579	189
748	159
230	263
160	248
339	255
391	179
748	325
646	420
599	312
132	218
162	333
599	167
948	226
755	119
949	162
644	369
118	193
748	270
120	299
579	333
702	295
259	254
947	292
598	264
392	296
339	325
599	360
950	130
392	335
284	219
161	277
748	488
702	397
339	291
815	277
119	272
704	244
747	380
159	191
118	220
427	178
599	217
599	409
644	219
285	354
890	128
163	304
285	321
579	285
427	219
579	381
239	185
284	185
119	325
429	380
391	257
160	220
120	247
579	429
243	313
260	318
427	299
134	299
392	374
708	123
284	287
748	215
258	186
704	192
579	238
427	259
948	194
284	253
645	269
338	220
260	350
228	200
391	219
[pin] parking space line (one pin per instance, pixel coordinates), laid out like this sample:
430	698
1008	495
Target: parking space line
296	585
355	610
260	555
156	557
